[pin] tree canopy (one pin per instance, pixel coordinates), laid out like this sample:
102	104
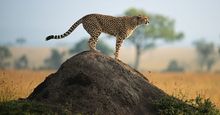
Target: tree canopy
174	66
144	37
20	41
206	54
22	62
4	55
54	60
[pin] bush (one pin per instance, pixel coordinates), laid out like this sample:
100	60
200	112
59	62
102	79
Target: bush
174	66
169	105
24	107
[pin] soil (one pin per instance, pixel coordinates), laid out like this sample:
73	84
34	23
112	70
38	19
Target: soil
92	83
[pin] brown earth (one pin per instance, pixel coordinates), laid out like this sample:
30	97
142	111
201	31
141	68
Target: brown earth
92	83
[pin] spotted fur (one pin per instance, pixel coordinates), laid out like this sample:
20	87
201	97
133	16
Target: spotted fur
95	24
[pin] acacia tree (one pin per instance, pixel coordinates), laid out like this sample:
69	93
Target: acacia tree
20	41
174	66
206	54
22	62
54	61
4	55
219	49
144	37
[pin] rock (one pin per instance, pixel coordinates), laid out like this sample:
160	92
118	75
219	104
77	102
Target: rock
92	83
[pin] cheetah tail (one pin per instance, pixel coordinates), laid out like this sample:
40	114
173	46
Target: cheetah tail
66	33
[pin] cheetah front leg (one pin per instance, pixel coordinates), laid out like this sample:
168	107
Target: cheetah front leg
119	41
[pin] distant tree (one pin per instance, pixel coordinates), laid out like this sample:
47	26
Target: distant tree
144	37
83	45
54	61
20	41
219	47
4	55
206	54
22	62
173	66
219	50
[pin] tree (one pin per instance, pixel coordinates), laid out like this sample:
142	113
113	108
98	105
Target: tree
144	37
83	45
174	66
206	54
54	61
219	47
22	62
20	41
219	50
4	55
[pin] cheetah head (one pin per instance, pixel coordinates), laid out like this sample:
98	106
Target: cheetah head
141	20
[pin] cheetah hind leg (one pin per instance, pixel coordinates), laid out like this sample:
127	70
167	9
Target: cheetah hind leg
93	40
92	44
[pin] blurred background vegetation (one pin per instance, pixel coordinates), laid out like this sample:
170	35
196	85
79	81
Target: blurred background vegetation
149	48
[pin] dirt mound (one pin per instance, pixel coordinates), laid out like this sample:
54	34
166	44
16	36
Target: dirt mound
93	83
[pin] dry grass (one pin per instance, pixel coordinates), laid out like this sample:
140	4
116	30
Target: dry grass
188	85
16	84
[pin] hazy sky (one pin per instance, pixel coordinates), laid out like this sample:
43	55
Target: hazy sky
35	19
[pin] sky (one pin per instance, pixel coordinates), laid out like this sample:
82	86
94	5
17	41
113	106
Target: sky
36	19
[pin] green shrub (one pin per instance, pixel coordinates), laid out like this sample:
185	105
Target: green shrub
24	108
169	105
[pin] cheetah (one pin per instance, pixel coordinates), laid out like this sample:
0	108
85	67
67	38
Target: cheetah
95	24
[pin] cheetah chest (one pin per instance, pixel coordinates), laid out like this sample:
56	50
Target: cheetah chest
129	32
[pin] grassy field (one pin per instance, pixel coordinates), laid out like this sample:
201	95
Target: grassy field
16	84
188	85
